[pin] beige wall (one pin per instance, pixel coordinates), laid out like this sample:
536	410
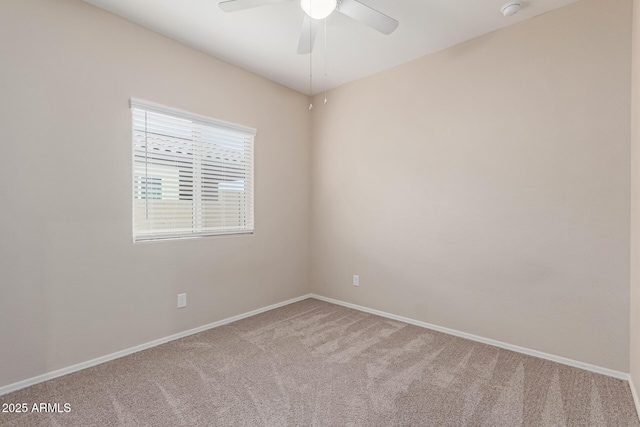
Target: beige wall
486	188
74	286
635	201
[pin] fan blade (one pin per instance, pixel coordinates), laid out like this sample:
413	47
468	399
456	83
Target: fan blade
363	13
307	35
235	5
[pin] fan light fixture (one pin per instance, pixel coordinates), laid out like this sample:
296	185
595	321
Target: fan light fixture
318	9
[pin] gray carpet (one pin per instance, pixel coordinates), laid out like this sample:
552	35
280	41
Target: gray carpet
318	364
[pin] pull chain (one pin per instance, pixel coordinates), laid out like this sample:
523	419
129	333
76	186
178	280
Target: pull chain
325	60
310	59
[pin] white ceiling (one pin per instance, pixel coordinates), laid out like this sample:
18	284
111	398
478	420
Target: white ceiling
264	40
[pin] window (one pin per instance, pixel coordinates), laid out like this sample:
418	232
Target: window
192	175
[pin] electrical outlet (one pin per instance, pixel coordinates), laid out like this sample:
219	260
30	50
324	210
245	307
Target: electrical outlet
356	280
182	300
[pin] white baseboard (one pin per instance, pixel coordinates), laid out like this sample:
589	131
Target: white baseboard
64	371
635	396
518	349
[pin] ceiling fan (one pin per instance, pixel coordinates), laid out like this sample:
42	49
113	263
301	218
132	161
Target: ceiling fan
315	10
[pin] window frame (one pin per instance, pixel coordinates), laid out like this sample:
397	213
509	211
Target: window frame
200	120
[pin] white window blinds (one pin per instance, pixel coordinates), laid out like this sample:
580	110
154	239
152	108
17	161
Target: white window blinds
192	175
